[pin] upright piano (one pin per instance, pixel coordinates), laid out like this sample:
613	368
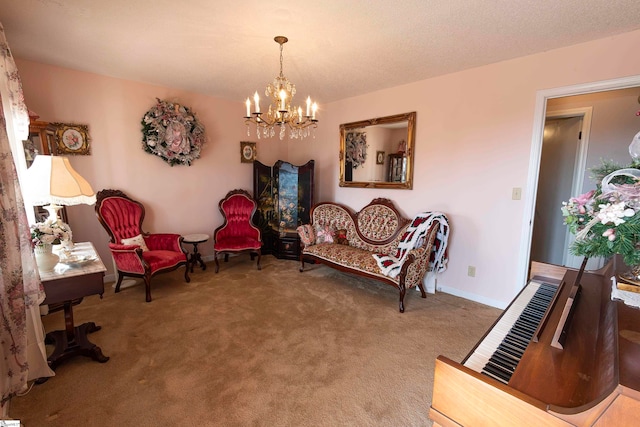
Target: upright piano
562	354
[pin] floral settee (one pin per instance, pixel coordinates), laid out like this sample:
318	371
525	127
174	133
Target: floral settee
376	242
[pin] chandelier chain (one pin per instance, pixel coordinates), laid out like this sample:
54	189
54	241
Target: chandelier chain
281	48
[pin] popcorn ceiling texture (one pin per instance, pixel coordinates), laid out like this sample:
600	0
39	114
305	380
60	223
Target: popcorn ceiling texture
336	49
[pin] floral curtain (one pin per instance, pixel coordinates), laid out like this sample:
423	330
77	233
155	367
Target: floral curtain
21	291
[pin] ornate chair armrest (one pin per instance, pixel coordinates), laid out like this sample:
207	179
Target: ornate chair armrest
128	258
307	235
163	242
416	264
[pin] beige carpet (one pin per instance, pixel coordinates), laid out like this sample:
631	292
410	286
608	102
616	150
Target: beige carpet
257	348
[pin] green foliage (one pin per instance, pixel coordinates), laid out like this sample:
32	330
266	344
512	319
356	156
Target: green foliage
595	239
625	243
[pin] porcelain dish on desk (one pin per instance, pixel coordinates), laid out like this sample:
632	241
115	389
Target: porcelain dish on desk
76	260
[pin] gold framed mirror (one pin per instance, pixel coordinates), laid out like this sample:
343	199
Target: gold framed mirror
378	153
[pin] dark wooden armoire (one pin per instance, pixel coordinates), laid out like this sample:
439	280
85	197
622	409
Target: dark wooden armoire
284	193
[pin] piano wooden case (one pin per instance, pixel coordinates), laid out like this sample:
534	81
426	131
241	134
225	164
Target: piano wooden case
593	381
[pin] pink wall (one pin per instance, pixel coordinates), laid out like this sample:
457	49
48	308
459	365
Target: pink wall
178	199
473	142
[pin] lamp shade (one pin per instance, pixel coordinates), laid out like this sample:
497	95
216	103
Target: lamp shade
52	180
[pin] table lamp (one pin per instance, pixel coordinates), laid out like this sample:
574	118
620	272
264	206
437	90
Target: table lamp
53	182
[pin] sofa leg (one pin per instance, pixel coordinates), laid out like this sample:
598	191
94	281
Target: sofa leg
423	294
186	274
215	259
259	256
402	292
147	286
120	277
301	264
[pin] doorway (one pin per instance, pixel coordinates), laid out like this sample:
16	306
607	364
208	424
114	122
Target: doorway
542	97
563	162
557	182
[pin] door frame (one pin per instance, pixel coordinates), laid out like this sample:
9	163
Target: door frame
536	151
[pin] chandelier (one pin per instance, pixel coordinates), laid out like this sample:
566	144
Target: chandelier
281	112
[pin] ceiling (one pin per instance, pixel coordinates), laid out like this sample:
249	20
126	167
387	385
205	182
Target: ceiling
337	48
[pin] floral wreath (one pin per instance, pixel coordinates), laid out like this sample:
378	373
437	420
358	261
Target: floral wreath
172	131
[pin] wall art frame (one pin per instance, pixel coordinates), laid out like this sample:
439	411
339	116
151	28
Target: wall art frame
379	157
247	152
72	139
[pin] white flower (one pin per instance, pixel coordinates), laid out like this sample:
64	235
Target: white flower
614	213
50	233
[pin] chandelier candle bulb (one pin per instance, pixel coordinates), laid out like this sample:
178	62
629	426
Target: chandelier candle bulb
256	99
314	109
299	114
283	98
308	105
248	108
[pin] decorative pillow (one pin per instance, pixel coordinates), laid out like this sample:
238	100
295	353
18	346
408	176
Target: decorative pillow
136	240
341	237
307	234
325	234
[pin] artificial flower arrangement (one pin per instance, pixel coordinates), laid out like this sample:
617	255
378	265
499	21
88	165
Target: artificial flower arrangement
49	233
606	221
172	132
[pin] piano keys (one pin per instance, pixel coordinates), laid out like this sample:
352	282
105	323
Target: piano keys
499	353
593	381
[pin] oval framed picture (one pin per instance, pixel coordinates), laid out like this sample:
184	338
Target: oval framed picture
247	151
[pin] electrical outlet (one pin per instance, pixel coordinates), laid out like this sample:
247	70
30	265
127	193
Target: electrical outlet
516	193
471	271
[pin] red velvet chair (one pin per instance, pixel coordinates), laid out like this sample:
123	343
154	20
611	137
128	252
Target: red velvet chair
237	234
136	253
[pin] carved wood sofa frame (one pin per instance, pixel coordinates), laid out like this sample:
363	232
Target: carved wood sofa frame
377	228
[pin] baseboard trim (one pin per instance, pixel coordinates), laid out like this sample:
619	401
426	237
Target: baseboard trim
472	297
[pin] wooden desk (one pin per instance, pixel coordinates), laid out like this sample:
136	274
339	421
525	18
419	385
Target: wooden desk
66	284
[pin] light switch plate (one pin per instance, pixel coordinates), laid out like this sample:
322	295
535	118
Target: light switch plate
516	193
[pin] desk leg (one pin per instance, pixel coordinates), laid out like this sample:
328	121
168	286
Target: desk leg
73	341
196	258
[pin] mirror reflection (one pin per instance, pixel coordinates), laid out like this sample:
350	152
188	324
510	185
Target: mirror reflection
378	153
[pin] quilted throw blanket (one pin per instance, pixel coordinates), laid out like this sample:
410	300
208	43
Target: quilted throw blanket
413	237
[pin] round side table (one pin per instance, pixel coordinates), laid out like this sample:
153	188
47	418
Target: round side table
193	258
